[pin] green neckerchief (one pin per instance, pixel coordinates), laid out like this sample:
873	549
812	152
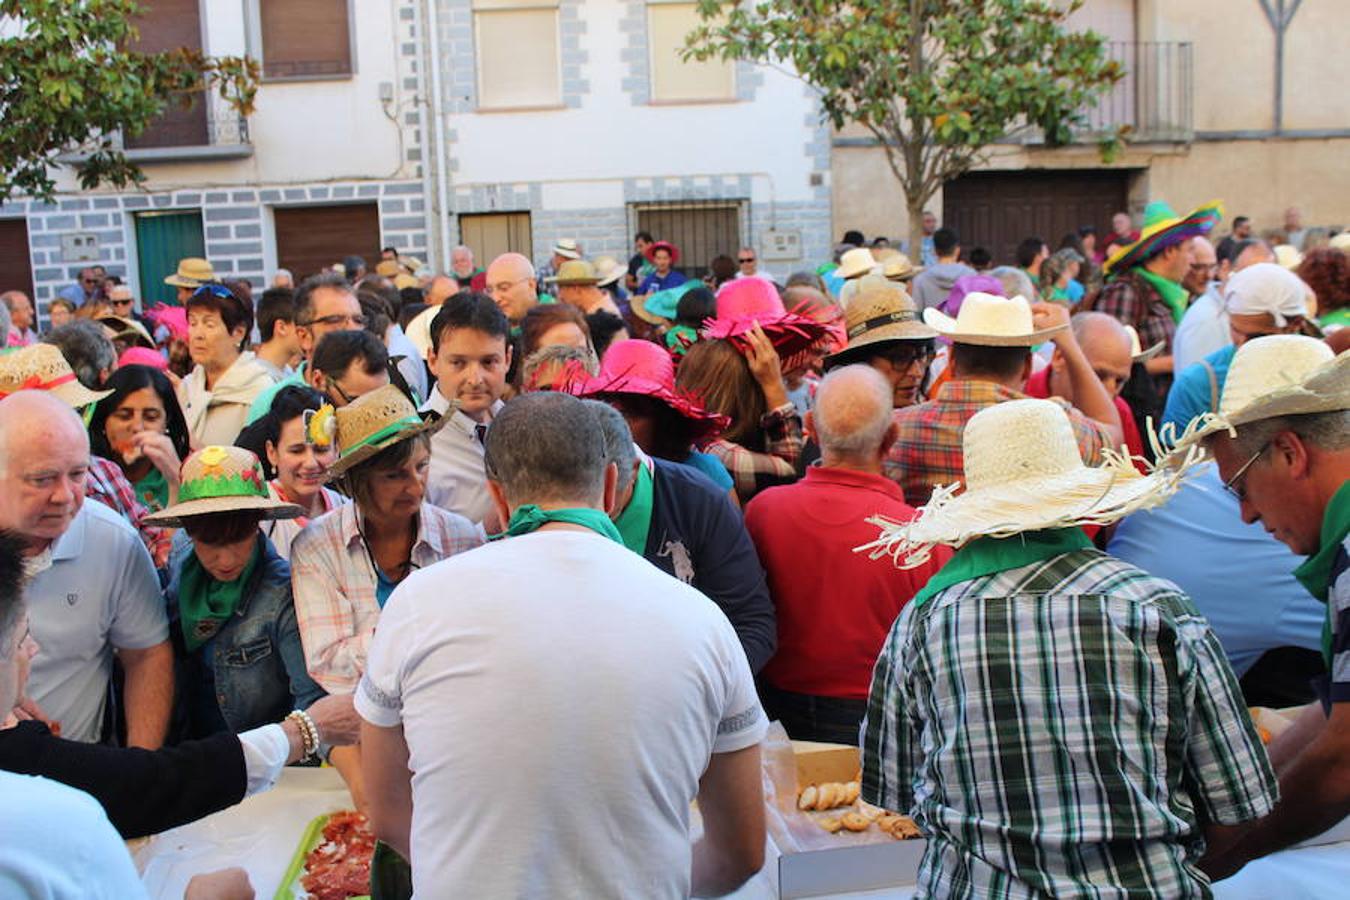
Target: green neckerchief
153	490
1339	317
529	517
1315	573
986	555
636	519
205	604
1173	294
680	338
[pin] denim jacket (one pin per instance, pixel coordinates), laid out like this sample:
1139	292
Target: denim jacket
252	671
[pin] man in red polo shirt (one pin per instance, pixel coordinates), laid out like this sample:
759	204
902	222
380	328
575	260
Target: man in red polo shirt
1109	349
834	607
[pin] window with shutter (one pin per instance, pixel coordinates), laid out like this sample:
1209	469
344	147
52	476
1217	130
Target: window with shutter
517	53
304	39
167	25
672	79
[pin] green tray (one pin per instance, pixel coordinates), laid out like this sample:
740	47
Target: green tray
290	880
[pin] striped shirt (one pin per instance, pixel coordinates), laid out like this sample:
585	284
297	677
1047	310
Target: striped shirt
333	579
1063	729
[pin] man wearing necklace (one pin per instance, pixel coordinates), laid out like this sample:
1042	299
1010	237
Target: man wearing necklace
568	705
347	562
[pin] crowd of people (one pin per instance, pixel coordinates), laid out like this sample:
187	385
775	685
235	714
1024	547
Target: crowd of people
533	557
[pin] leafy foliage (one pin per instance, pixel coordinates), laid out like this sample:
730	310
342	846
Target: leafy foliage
935	81
69	82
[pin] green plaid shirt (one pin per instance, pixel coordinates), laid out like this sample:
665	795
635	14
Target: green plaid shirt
1063	729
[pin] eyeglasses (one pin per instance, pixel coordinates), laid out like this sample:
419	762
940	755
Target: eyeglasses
502	287
338	319
1237	485
125	301
743	260
904	357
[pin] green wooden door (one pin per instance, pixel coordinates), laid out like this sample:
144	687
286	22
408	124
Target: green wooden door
162	239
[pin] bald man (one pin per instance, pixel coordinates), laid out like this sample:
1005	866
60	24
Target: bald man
512	285
1107	346
834	607
93	590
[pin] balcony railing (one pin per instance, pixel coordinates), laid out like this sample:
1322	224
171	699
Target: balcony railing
208	129
1154	100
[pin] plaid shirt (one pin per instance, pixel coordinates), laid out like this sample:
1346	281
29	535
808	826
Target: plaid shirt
1134	301
928	451
108	485
753	472
333	579
1061	729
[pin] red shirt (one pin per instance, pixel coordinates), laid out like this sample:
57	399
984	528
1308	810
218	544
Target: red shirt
1038	385
835	607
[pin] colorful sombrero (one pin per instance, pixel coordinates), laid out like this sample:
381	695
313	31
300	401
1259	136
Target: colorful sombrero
1163	228
222	479
644	369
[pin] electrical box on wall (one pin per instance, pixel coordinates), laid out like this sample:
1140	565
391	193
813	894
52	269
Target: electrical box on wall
781	245
79	247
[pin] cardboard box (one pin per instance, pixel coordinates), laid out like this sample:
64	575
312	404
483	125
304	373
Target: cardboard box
824	869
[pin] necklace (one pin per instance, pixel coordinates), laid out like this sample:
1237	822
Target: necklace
405	568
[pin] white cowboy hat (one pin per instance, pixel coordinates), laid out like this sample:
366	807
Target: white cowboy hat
567	248
990	321
1272	376
853	263
1138	353
1023	472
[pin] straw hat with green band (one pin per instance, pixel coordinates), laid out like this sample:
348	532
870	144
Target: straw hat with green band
1163	228
222	479
374	422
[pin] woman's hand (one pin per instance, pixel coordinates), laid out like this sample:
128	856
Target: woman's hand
766	367
156	447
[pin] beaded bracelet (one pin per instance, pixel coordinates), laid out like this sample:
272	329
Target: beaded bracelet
309	733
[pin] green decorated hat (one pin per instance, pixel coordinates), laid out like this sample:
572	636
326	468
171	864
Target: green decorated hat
1163	228
222	479
374	422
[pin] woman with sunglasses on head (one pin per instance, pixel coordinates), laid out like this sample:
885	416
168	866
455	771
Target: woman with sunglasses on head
141	427
225	378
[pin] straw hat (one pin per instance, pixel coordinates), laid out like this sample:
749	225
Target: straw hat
567	248
575	271
1340	242
855	262
374	422
880	315
1162	229
41	367
403	281
990	321
899	267
388	268
644	369
1272	376
193	272
1288	255
222	479
128	330
1137	353
608	270
1023	472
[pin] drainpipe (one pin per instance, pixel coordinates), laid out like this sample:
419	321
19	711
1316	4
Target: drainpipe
436	127
1279	17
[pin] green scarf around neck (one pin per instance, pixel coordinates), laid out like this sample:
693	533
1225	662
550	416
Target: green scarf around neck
636	519
987	555
205	604
1315	573
530	517
1173	294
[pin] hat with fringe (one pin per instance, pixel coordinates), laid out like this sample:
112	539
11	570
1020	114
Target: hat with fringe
745	302
1137	353
41	367
1023	472
1269	377
644	369
222	479
1163	228
374	422
990	321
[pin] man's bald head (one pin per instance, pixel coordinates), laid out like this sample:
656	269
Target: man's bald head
1108	349
1252	252
441	289
44	459
852	415
511	284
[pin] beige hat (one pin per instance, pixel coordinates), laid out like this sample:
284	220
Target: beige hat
222	479
853	263
128	330
1288	255
608	270
575	271
1023	472
990	321
403	280
567	247
388	268
1340	242
193	272
899	267
1271	376
1137	352
880	315
374	422
41	367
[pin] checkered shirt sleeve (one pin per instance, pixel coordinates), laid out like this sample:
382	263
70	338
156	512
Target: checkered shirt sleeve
751	471
107	484
1137	303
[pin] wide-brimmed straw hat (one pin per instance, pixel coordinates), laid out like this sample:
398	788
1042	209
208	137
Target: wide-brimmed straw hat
567	248
880	315
222	479
1137	353
608	270
644	369
990	321
674	251
1162	229
41	367
1023	472
746	301
899	267
1272	376
128	330
855	262
193	272
374	422
575	271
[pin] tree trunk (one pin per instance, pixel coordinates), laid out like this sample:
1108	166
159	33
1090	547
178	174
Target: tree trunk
914	203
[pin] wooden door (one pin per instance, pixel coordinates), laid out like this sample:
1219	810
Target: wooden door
312	238
489	235
16	270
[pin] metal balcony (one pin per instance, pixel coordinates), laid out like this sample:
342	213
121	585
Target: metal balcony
208	129
1155	99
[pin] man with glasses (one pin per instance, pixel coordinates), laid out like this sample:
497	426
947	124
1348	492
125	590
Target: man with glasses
884	332
347	364
513	286
88	287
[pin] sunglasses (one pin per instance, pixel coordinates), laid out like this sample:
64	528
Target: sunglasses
744	260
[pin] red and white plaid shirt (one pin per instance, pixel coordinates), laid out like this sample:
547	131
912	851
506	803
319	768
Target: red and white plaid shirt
107	484
751	471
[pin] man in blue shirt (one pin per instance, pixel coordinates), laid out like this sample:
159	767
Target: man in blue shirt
663	255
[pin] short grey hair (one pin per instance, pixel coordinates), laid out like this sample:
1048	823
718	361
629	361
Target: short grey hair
86	348
560	354
544	447
1015	282
1327	431
853	410
618	440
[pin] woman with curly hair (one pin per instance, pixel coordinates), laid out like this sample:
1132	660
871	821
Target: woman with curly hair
1327	271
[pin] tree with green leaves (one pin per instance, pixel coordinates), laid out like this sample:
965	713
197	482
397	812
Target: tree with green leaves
69	82
935	81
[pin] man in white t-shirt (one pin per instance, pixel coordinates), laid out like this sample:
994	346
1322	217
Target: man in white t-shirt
546	732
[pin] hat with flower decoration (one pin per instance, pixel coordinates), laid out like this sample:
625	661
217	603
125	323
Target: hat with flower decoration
222	479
